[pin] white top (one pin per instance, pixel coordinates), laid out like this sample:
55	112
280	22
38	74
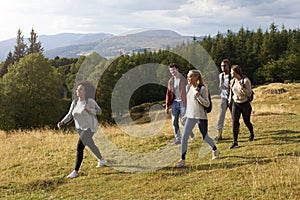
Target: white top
83	119
194	107
240	90
176	90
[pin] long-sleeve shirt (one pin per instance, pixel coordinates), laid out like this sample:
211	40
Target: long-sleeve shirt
194	107
240	90
83	119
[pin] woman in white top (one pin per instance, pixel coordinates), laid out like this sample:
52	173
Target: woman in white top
83	110
197	99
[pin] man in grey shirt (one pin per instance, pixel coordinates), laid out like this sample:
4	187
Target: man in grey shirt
224	85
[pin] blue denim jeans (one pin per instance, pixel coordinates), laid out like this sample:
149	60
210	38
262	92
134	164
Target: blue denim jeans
177	111
188	127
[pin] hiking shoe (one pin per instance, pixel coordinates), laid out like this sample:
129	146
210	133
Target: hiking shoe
251	138
177	142
181	163
234	145
73	174
101	163
216	154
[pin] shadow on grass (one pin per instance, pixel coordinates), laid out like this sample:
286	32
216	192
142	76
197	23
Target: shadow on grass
245	160
284	135
33	187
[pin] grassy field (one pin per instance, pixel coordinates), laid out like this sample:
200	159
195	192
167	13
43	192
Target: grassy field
34	164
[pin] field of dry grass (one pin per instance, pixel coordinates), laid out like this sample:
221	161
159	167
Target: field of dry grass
34	164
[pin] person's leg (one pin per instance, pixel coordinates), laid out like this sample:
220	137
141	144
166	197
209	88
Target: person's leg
175	118
246	114
182	113
87	139
223	109
79	154
203	125
188	127
236	113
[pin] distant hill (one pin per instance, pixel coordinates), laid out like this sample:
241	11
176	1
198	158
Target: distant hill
53	41
151	40
72	45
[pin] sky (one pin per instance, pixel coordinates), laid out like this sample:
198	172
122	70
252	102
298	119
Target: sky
186	17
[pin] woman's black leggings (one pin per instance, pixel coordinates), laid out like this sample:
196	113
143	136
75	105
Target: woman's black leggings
237	109
85	139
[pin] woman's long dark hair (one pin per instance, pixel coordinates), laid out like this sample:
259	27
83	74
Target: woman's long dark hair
89	88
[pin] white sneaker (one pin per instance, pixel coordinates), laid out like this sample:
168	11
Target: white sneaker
101	163
73	174
216	154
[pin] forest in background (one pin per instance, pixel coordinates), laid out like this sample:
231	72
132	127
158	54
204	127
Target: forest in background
36	91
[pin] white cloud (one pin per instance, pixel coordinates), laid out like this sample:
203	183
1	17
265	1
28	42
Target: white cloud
189	17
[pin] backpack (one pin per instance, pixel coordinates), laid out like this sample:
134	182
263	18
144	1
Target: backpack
251	97
209	108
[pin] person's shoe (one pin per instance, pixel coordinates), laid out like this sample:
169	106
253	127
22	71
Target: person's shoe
101	163
234	145
216	154
192	136
218	137
73	174
177	142
251	138
181	163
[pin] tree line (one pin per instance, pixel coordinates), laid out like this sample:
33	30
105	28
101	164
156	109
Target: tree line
36	91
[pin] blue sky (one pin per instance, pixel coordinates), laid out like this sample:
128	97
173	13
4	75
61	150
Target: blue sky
187	17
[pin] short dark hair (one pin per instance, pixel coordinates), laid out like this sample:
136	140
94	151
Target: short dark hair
173	65
226	61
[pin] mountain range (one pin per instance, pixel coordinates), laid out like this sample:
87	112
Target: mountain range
72	45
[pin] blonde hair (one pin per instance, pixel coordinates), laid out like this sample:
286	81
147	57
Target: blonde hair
198	74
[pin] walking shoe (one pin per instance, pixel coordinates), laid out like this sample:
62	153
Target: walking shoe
218	137
101	163
73	174
177	142
215	154
251	138
234	145
181	163
192	136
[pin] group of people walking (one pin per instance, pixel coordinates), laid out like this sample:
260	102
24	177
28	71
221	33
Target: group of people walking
188	99
186	96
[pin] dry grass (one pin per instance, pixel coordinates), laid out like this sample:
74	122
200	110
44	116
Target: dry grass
34	164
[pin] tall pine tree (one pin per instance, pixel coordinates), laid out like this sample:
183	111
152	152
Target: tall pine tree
34	45
20	47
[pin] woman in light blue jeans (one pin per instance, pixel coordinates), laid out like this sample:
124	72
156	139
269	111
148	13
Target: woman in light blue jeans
197	99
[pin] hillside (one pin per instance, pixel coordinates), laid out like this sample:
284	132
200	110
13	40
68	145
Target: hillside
34	164
152	40
72	45
53	41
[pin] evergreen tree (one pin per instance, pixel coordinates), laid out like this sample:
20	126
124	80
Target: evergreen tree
20	47
34	45
9	60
